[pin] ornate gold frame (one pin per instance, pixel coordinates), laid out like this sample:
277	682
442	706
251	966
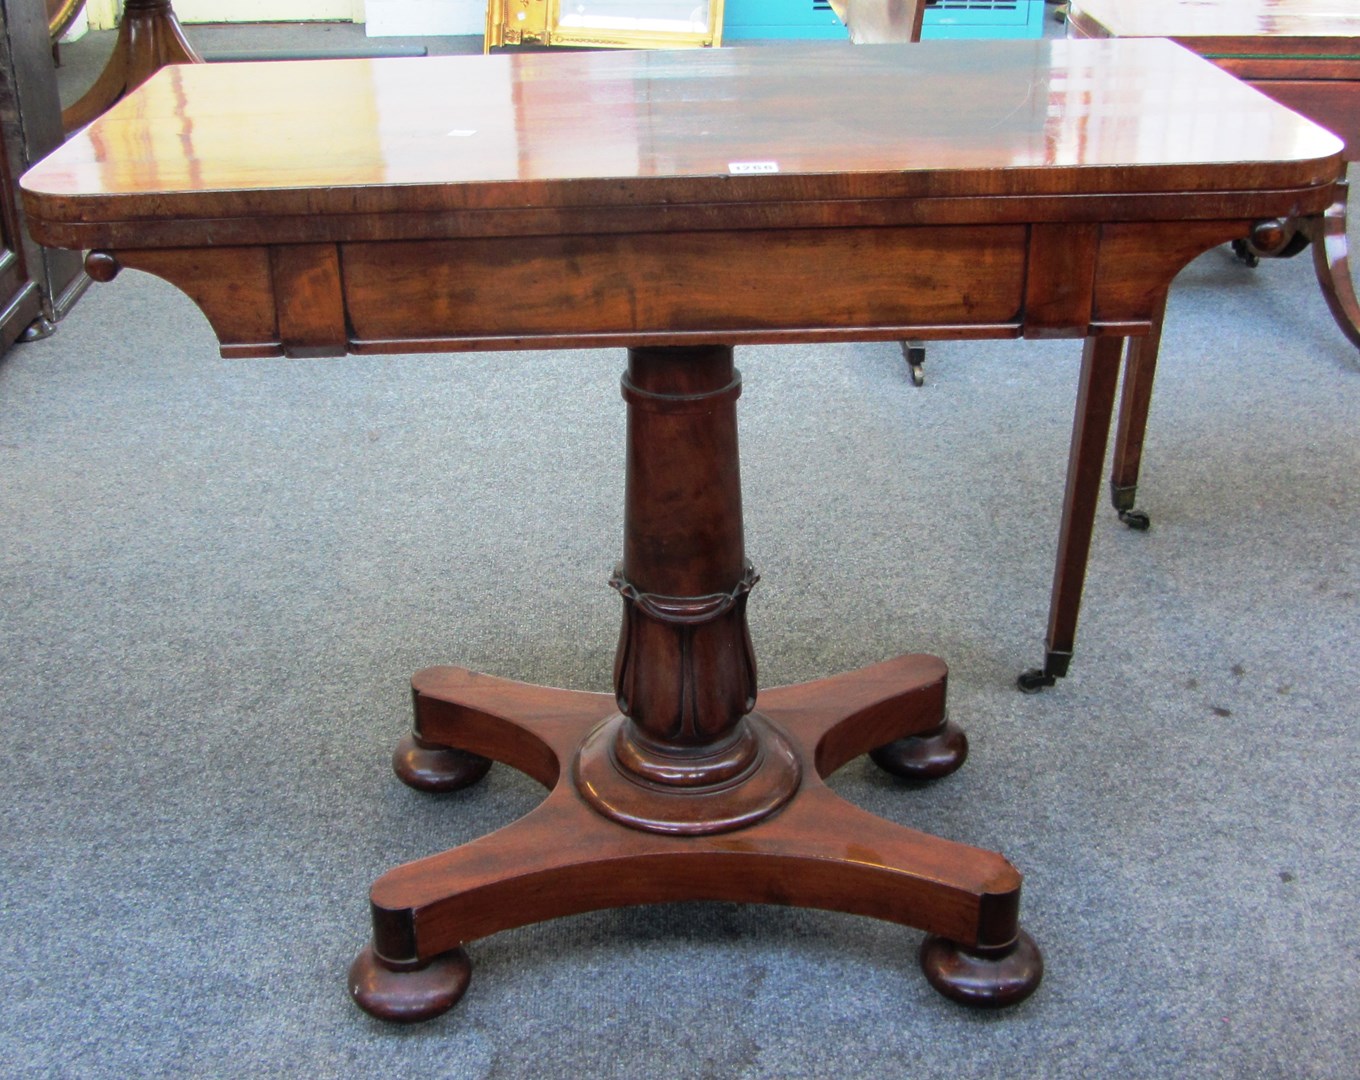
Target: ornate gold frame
60	15
539	22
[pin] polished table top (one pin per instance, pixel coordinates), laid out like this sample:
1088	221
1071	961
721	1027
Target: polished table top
345	143
1336	19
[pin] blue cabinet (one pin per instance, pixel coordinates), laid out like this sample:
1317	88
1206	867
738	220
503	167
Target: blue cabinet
984	19
756	19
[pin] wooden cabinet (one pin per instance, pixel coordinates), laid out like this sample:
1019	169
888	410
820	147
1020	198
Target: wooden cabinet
37	285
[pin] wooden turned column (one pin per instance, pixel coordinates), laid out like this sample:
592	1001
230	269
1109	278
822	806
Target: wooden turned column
685	754
676	787
149	38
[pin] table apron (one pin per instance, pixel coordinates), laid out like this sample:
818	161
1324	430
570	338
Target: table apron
1037	280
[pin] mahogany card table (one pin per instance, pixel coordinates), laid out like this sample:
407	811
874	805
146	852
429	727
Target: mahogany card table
678	205
1303	53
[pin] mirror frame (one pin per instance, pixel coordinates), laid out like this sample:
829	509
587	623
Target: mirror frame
539	22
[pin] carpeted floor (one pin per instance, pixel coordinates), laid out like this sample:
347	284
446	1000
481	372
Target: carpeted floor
216	578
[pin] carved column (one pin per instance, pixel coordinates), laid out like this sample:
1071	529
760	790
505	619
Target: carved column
149	38
685	754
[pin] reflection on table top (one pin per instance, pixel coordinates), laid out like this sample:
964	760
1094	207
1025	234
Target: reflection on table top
801	123
1224	18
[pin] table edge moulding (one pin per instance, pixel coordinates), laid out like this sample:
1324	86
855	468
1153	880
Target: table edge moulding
781	194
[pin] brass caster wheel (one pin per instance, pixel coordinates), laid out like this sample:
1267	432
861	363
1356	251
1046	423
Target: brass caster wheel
914	353
1034	680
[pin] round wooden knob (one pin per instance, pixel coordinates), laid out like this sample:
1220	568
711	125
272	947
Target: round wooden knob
102	266
1268	237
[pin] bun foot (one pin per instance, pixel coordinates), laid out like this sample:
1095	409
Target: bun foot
429	767
411	995
927	756
983	978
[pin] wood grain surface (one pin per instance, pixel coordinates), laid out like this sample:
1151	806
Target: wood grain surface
368	149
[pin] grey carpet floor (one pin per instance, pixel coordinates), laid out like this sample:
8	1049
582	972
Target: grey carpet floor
216	578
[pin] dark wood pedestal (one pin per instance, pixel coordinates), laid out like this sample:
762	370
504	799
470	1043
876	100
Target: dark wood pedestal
683	785
149	38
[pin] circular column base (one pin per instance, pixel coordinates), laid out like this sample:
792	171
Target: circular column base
760	789
429	767
983	978
411	995
927	756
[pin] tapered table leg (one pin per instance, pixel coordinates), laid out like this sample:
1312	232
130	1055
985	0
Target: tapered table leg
1140	369
1086	461
1331	263
149	38
677	787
